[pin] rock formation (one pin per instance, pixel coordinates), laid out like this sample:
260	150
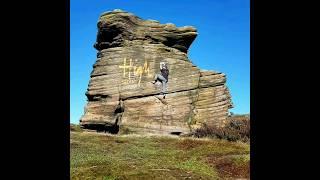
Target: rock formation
120	91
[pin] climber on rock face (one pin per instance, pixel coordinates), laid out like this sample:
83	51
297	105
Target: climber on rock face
162	77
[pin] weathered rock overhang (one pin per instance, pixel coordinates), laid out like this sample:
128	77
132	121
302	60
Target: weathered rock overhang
120	93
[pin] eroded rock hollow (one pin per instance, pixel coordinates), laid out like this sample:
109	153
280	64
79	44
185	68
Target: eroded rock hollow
120	92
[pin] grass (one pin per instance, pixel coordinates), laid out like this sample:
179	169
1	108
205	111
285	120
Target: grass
101	156
75	127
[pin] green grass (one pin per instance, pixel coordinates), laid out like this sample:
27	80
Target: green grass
75	127
101	156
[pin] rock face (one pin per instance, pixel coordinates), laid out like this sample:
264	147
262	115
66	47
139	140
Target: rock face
120	91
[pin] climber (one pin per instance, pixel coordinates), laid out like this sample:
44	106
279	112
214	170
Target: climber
163	78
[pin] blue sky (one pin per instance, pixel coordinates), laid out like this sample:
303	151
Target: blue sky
222	44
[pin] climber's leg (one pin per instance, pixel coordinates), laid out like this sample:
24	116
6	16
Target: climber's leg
163	82
160	77
155	79
164	86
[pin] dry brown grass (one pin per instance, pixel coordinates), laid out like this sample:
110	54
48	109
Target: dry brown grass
231	166
238	128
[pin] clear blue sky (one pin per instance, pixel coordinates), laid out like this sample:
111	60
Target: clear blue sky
223	42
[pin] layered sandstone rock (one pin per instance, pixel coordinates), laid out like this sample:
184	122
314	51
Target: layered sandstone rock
120	91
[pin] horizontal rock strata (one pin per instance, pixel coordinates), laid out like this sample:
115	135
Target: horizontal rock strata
120	91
